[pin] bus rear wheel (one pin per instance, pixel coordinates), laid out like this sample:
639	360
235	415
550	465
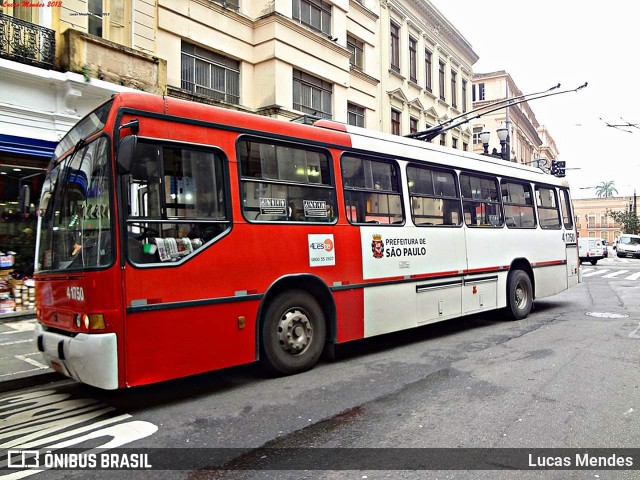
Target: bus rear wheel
293	333
519	295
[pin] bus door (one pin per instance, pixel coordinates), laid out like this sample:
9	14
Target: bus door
485	244
570	239
175	200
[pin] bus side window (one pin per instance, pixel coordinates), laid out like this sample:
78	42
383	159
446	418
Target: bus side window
372	191
434	196
177	198
518	204
481	201
144	182
284	182
565	202
548	210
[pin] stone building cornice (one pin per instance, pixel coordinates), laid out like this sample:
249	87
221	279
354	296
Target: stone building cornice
363	76
266	19
235	15
275	17
363	10
434	24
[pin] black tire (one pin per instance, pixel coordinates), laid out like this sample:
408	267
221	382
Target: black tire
519	295
593	262
293	333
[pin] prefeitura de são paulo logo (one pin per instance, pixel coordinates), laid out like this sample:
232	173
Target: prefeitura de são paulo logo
377	246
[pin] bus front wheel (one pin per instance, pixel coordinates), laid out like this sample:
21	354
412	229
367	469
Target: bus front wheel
519	295
293	333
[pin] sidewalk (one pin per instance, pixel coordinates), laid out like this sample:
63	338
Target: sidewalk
21	364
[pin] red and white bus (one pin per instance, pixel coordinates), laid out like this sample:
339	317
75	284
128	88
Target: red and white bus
177	238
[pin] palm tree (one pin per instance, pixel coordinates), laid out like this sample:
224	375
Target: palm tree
606	189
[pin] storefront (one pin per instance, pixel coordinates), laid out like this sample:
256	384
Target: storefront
23	163
38	106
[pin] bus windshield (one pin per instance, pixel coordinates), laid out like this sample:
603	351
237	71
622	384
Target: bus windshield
74	221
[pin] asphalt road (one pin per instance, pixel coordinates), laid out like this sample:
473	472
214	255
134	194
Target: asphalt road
566	377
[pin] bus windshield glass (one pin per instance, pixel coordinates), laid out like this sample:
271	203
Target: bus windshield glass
74	224
92	123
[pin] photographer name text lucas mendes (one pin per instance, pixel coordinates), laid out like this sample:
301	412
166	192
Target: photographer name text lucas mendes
580	460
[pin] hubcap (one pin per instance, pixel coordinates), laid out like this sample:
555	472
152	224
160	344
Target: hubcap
295	332
521	296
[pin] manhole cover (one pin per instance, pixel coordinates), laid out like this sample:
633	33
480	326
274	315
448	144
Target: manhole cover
607	315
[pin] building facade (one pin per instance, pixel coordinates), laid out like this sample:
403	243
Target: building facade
426	73
390	65
56	65
592	219
527	140
548	149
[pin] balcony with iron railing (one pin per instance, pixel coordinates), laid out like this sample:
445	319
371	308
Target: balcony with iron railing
25	42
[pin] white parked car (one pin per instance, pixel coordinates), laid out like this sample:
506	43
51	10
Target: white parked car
628	245
590	250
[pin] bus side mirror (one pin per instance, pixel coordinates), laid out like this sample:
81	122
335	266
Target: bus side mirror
125	153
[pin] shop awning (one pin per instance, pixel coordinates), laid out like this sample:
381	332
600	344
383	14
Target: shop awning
26	146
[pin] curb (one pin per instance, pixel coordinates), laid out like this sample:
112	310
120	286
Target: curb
31	381
16	316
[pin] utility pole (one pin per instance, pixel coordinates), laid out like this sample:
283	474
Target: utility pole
507	124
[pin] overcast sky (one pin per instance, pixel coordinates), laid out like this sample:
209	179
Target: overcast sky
544	42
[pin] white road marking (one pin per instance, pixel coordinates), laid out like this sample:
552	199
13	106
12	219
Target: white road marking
18	373
15	342
596	272
22	325
46	420
31	361
615	274
590	272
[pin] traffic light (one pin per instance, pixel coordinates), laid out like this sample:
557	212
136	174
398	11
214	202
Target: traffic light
558	168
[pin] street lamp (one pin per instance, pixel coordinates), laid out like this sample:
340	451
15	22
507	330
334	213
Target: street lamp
484	138
503	134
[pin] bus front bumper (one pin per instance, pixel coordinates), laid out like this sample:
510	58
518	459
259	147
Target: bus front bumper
90	359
